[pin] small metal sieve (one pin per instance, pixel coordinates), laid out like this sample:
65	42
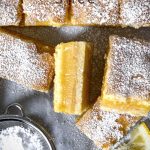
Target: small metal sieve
15	116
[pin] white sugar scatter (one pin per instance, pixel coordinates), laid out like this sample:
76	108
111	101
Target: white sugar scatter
99	12
9	12
19	138
45	10
135	12
105	128
21	62
129	75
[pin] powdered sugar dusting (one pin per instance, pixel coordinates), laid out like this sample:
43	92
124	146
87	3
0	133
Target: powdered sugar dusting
100	12
44	11
19	138
9	12
20	62
129	74
135	12
105	128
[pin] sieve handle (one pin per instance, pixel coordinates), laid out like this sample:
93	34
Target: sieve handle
15	109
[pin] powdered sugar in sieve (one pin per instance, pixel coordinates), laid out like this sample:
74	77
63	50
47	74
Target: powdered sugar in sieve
19	138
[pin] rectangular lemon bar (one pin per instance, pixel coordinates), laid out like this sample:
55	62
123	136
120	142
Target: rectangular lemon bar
25	61
95	12
126	85
105	128
45	12
72	76
10	12
135	13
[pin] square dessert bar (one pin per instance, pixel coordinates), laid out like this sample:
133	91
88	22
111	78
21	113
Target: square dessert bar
26	62
105	128
126	85
10	12
95	12
135	13
72	77
45	12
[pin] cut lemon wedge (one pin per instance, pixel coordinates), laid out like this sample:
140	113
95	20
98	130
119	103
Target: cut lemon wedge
140	139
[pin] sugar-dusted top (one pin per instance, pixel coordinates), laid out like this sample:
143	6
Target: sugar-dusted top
128	74
135	12
99	12
105	128
21	62
45	10
9	12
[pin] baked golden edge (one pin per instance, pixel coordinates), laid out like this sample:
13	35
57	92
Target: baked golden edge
50	22
133	107
40	48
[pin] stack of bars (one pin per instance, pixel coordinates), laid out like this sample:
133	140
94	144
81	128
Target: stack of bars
123	13
125	94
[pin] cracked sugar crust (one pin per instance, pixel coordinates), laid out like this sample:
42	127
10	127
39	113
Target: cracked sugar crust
128	72
10	12
100	12
135	13
21	62
105	128
45	11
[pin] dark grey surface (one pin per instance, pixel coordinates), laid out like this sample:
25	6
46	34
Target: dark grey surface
39	107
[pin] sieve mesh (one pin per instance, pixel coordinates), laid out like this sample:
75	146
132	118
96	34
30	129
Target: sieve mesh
35	134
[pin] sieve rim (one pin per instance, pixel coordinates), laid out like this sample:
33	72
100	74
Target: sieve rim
29	122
